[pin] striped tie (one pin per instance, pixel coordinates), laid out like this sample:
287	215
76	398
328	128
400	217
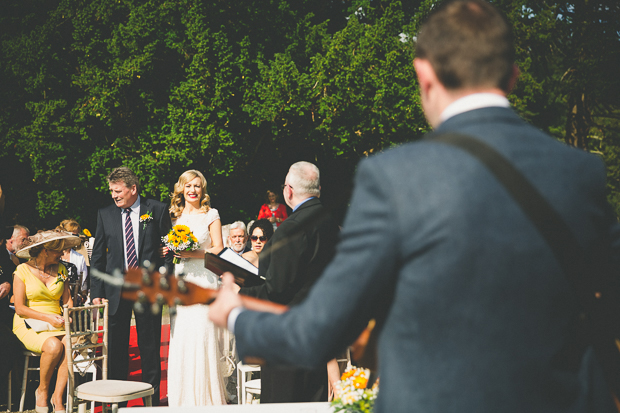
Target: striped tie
132	258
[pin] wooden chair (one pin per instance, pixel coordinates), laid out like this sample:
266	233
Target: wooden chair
86	335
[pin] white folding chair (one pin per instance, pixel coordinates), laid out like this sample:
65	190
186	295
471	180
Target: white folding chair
80	328
243	371
252	391
27	356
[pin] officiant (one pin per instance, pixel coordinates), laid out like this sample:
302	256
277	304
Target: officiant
291	262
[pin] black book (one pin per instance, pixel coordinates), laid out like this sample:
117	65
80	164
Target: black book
246	275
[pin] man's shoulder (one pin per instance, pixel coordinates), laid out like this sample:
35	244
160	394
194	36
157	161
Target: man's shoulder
109	209
156	206
153	202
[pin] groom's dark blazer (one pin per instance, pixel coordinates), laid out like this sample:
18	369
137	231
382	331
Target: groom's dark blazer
479	312
291	262
108	255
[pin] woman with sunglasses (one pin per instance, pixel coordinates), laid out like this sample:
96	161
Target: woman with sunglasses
260	232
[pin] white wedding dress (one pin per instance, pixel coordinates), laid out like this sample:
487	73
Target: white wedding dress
195	356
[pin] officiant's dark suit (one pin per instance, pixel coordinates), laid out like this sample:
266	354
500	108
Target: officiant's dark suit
291	262
108	255
479	311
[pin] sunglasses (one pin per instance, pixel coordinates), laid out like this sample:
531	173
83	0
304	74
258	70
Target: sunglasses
256	238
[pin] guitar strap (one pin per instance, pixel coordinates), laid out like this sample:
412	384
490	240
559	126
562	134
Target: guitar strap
588	272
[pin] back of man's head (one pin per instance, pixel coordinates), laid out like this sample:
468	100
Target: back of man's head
469	44
304	177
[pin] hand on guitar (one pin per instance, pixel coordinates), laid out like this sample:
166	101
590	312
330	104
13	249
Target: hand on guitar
227	299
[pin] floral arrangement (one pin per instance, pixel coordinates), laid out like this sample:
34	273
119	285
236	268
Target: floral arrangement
351	394
146	218
180	238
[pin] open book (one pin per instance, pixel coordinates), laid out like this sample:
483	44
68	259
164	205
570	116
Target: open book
246	275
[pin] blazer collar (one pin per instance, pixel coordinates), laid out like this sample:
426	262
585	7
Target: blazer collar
479	116
310	203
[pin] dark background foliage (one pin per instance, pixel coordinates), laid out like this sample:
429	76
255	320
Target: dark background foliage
241	90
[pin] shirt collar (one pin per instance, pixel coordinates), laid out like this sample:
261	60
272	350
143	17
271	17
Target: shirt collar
473	101
302	202
136	206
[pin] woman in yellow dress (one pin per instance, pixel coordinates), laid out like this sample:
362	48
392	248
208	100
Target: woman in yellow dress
40	292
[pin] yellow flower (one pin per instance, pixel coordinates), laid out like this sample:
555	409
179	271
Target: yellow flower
144	217
181	229
360	382
87	233
347	374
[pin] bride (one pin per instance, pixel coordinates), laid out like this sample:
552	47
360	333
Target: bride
194	357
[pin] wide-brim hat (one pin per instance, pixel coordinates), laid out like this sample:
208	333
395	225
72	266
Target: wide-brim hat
45	237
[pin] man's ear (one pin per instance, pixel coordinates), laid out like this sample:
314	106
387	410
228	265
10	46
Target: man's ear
134	189
513	78
426	74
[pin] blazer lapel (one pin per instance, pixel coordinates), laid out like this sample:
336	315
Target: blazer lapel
144	207
116	217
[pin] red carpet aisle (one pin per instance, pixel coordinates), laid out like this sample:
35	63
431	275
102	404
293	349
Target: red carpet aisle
135	373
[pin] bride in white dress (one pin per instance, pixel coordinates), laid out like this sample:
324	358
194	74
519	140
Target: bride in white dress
195	354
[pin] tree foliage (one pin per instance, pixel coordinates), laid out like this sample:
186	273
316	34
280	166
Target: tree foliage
240	90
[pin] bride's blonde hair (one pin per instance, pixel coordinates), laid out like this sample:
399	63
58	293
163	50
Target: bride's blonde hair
177	202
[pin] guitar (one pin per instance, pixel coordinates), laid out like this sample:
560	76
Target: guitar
153	289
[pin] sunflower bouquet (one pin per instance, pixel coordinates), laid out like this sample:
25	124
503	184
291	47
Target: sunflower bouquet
180	238
351	394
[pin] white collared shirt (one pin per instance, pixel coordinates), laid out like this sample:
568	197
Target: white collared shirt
135	223
473	101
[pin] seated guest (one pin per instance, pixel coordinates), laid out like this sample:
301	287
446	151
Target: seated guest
11	347
237	237
261	231
40	292
14	243
272	210
77	256
7	267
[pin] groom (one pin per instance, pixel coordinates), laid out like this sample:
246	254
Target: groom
128	233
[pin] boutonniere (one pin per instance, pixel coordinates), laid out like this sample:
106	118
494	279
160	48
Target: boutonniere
146	218
62	277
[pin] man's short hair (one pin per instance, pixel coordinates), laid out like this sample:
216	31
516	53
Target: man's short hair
125	175
305	178
18	228
237	225
469	43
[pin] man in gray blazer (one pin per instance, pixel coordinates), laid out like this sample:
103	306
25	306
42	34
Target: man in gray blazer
478	310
